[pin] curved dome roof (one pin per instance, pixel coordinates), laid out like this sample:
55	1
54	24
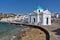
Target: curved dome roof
39	7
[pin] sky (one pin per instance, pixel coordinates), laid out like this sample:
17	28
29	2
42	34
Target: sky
28	6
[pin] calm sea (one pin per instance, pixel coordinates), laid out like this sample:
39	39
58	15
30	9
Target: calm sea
7	30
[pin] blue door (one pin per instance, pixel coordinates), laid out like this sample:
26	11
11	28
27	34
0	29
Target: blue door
46	20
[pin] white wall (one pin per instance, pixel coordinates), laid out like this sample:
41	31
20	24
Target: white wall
32	19
28	19
44	19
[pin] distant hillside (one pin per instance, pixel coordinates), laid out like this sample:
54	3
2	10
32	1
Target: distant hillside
7	15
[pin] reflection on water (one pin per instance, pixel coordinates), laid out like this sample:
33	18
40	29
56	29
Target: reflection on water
7	30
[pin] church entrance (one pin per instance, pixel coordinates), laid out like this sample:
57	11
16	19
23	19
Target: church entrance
46	20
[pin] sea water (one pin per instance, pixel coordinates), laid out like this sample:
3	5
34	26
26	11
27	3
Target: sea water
8	30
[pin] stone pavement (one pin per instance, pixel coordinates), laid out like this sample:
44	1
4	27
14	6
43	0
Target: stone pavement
54	31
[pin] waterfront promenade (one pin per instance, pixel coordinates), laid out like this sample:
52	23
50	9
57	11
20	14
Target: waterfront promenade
34	26
53	29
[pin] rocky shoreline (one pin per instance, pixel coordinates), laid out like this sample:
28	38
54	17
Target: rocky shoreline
30	34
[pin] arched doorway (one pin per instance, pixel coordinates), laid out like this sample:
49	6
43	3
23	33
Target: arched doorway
34	20
46	20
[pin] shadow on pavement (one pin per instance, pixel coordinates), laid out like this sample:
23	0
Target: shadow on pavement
57	31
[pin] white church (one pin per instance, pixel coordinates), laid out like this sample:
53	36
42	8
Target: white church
40	17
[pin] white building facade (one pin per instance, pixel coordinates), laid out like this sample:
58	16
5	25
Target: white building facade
40	17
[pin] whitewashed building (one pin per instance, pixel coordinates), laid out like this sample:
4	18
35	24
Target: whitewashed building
40	16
